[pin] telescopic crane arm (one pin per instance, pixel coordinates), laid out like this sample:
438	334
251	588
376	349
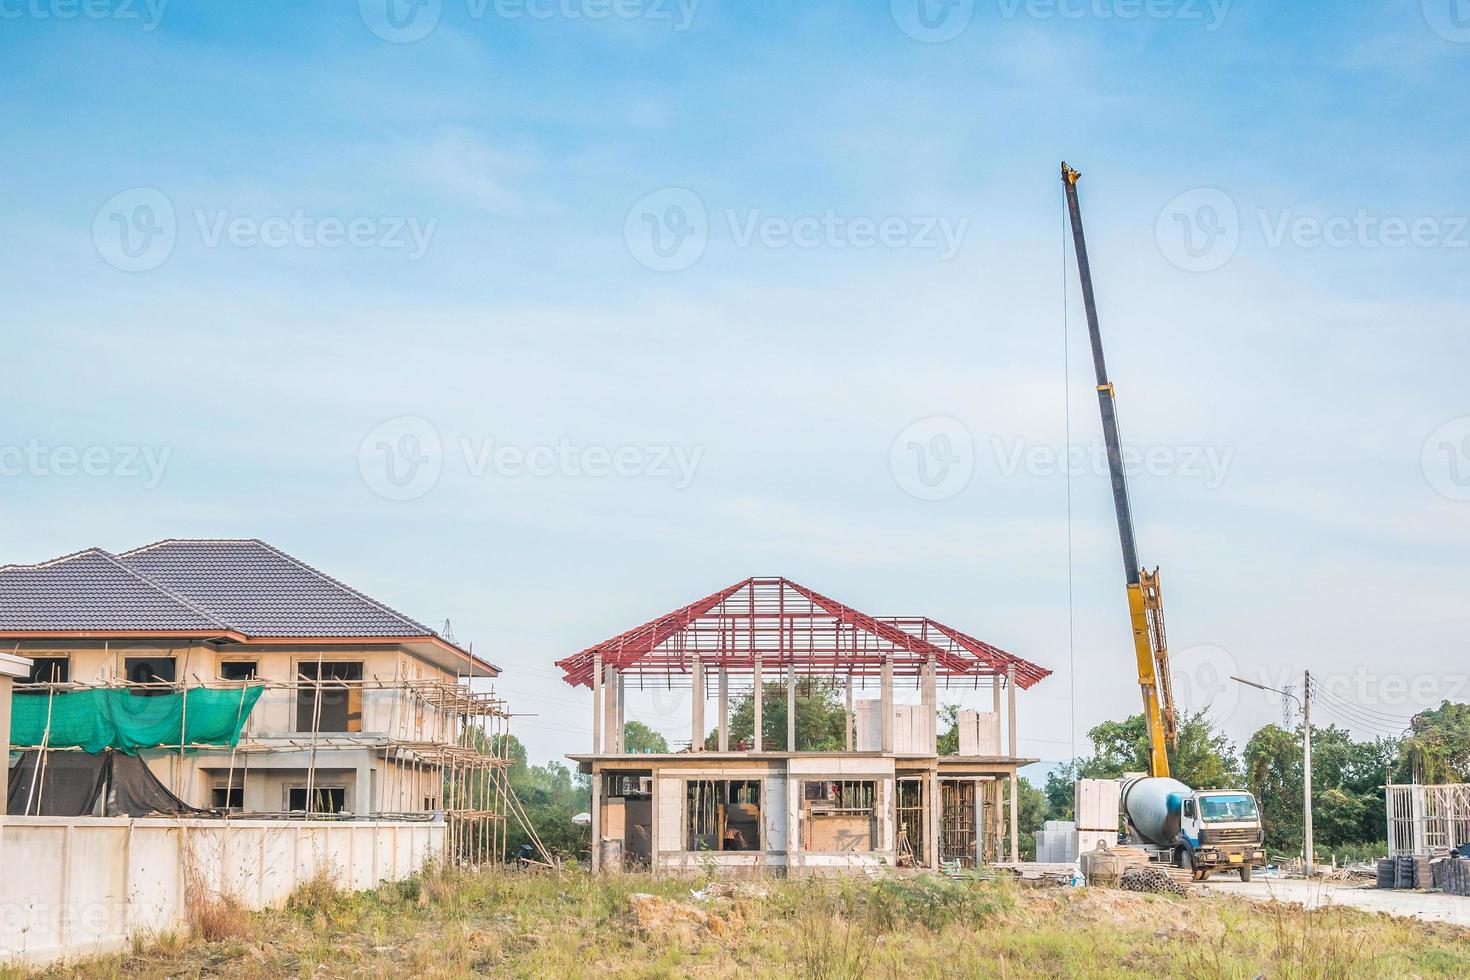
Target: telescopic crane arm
1145	603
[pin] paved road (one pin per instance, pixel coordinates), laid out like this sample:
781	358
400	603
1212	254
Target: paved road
1431	906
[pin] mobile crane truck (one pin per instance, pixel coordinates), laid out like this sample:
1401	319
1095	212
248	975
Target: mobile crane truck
1204	831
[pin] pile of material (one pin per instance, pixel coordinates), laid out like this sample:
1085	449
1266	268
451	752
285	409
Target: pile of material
1153	879
1442	870
1455	875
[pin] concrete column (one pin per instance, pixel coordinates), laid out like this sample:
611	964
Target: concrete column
596	819
724	720
848	733
609	709
622	706
979	824
931	828
931	699
995	709
6	688
596	704
791	708
1011	709
696	725
758	697
1015	820
886	705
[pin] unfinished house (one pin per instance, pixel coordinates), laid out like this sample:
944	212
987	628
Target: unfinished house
883	796
247	683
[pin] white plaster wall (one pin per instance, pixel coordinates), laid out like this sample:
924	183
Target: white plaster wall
72	887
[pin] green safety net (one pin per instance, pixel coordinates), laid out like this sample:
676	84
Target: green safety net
112	718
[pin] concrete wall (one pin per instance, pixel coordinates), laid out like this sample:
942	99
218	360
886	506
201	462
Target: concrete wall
74	887
780	812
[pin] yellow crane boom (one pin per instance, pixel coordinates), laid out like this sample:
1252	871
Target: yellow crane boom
1145	601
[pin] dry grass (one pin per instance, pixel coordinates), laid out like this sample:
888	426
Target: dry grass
450	924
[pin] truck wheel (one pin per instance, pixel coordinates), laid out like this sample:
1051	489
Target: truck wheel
1245	873
1187	861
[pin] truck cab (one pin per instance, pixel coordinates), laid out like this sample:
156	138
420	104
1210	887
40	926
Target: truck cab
1220	830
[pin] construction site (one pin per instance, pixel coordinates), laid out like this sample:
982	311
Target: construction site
218	714
886	798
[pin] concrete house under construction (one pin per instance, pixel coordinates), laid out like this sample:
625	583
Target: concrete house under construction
346	707
888	797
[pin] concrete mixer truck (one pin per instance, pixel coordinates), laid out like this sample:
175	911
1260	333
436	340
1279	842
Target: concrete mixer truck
1206	830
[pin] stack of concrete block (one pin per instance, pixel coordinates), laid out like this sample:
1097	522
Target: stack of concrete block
979	733
1056	843
1457	876
1095	803
913	728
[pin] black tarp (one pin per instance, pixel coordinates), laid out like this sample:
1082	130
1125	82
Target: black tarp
73	782
133	791
70	783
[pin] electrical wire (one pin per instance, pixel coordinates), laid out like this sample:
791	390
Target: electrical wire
1346	716
1322	692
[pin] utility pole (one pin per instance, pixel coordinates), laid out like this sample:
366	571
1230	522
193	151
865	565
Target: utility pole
1307	766
1306	703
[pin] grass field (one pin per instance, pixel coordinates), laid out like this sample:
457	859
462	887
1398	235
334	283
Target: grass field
446	924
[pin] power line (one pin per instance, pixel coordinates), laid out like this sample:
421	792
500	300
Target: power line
1364	709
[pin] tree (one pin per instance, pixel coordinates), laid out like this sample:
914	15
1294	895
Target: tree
1204	758
551	795
638	737
1347	805
1437	746
949	729
820	717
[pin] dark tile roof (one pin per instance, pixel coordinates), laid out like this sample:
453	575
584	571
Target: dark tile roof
244	586
261	591
92	590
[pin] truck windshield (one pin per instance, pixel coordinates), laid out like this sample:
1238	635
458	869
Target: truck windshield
1236	806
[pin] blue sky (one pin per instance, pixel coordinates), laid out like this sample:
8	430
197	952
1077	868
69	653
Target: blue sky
258	243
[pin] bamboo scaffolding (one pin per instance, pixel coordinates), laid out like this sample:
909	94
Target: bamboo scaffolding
454	760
